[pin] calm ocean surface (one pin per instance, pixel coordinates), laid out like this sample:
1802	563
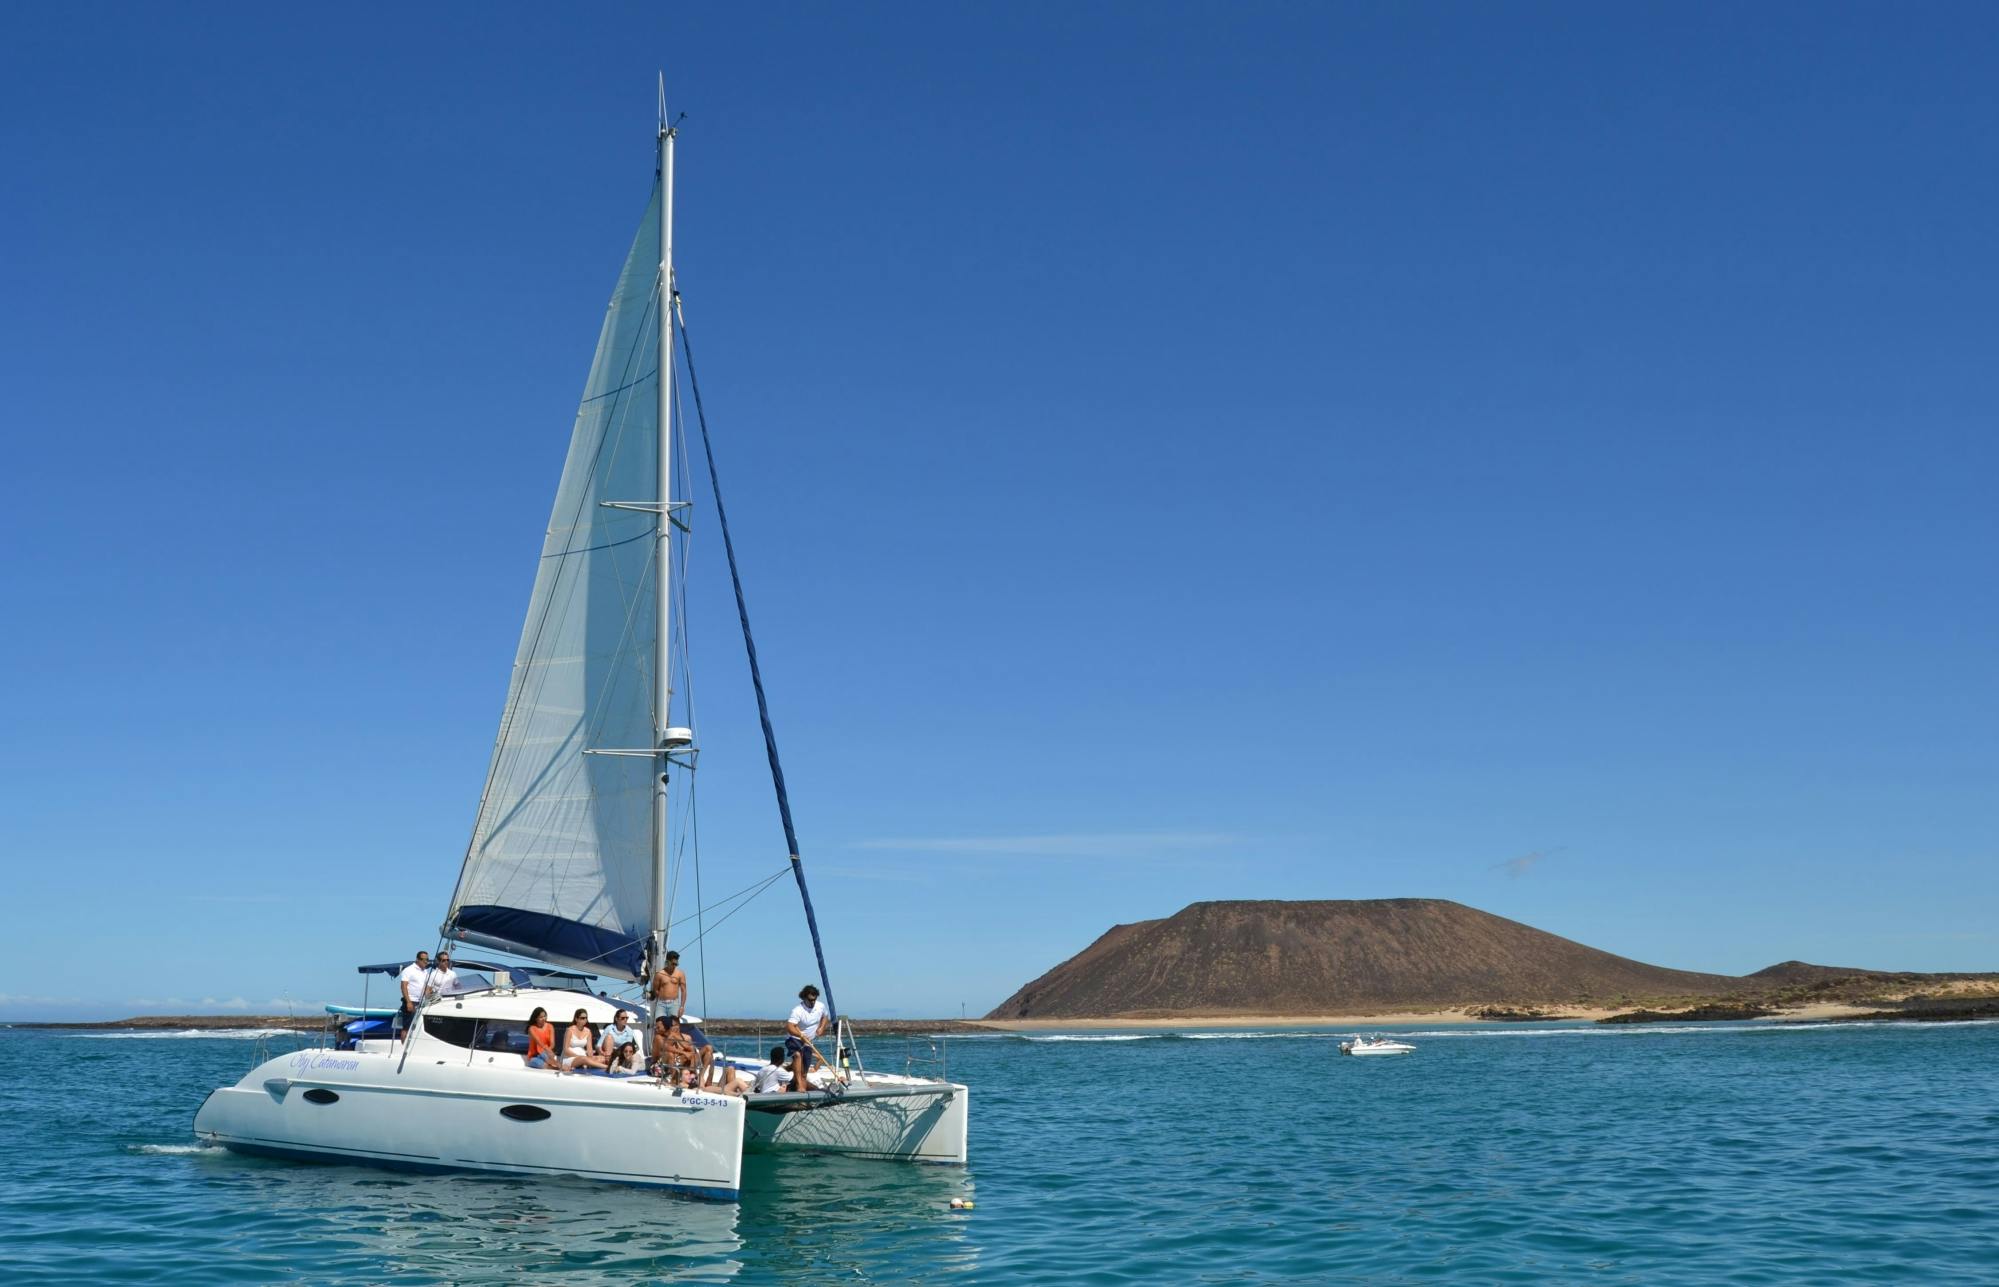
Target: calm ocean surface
1726	1153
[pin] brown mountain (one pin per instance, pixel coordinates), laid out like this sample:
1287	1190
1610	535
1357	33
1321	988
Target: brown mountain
1786	973
1302	958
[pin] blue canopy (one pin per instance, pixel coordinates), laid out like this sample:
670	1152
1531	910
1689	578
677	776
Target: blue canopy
518	976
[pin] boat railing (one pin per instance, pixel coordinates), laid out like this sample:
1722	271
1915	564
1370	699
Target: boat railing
936	1061
844	1045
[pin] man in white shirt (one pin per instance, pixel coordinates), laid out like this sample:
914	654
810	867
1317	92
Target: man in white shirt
411	981
805	1026
773	1076
441	980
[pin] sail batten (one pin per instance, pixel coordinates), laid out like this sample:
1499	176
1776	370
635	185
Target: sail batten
559	864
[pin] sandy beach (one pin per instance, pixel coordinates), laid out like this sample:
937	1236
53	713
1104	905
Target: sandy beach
1163	1024
1789	1014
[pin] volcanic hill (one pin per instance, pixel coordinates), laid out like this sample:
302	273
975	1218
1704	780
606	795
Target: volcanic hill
1331	957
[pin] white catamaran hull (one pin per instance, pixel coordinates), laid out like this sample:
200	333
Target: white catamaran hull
885	1117
477	1107
440	1114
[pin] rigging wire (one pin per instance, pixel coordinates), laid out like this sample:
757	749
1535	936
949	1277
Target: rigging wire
752	889
679	319
693	722
720	921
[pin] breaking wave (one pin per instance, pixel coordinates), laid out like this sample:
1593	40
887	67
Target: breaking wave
167	1150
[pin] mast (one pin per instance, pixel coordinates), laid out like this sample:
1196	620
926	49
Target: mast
662	687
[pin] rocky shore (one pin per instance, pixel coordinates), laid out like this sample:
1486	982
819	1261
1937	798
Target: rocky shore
1718	1011
1926	1010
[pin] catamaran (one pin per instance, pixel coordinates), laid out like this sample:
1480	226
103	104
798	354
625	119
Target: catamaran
572	861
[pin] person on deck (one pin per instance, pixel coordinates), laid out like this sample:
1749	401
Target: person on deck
411	981
704	1050
727	1081
662	1031
681	1056
806	1025
441	980
579	1045
668	991
541	1040
621	1048
773	1076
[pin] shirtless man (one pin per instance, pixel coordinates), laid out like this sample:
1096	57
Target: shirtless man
668	992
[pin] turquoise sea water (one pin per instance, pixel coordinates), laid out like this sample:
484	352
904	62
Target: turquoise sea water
1698	1154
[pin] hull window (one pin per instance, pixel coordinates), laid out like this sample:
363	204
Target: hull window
525	1113
320	1095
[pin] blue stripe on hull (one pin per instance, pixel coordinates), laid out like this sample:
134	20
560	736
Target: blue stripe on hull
415	1166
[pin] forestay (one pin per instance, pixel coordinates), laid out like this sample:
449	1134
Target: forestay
559	867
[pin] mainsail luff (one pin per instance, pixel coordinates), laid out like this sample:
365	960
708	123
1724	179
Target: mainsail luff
560	864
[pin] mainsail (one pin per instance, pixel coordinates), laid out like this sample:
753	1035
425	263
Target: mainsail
560	864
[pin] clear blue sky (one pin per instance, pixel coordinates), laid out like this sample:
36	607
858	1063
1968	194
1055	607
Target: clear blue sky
1535	455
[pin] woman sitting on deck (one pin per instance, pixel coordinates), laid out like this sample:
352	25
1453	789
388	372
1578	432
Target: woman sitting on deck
541	1040
579	1045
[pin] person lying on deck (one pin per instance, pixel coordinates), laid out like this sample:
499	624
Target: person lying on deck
579	1045
541	1040
727	1081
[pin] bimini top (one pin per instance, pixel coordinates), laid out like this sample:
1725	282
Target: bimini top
518	1006
512	976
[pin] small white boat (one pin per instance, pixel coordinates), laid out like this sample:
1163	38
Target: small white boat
1376	1046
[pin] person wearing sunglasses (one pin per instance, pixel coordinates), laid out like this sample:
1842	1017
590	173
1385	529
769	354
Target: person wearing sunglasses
412	980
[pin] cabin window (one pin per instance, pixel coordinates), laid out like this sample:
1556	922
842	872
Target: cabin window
507	1036
458	1031
525	1113
320	1095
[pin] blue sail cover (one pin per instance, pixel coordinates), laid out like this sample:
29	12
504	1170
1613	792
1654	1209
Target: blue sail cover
560	863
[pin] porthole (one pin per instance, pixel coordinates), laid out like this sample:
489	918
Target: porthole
320	1095
525	1113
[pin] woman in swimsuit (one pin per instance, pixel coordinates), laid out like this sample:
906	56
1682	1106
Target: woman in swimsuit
579	1046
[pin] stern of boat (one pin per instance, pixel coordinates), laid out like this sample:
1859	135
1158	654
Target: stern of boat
893	1118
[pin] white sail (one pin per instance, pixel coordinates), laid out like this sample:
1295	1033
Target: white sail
559	867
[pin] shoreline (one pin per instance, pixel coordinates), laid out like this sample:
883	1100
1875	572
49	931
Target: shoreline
1811	1012
1377	1020
773	1027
